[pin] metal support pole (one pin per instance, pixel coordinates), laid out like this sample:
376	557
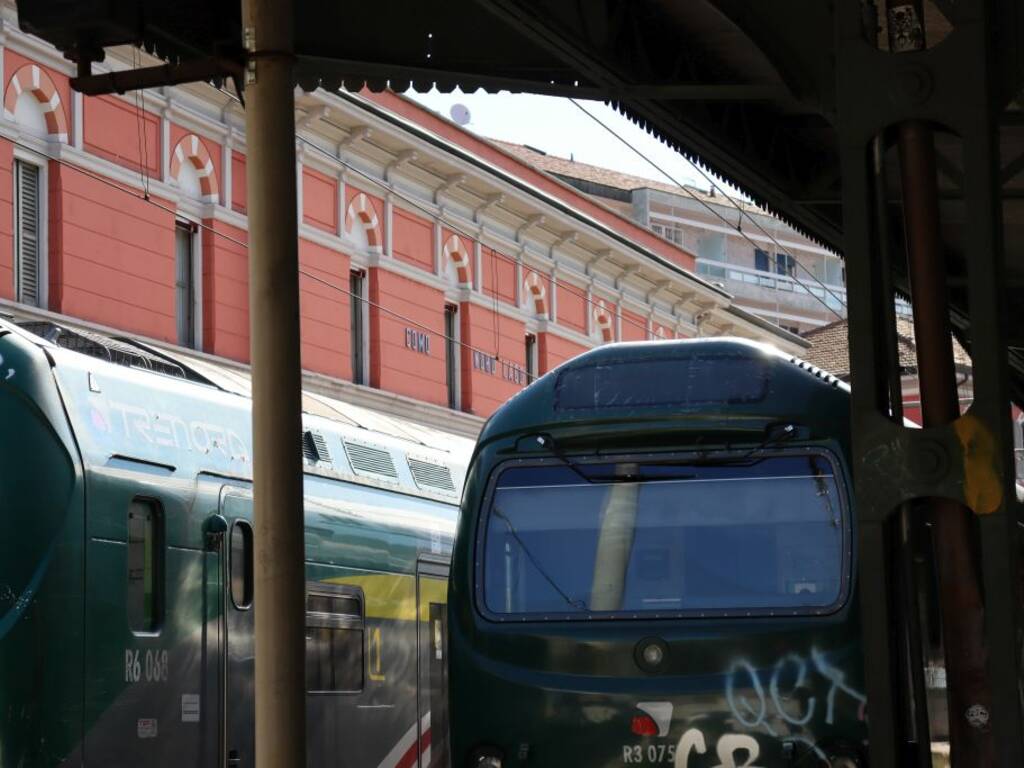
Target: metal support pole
276	384
962	610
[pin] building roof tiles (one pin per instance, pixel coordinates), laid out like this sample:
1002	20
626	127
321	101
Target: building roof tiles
830	348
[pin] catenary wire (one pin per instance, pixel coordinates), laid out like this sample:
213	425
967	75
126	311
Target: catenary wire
568	287
729	224
306	273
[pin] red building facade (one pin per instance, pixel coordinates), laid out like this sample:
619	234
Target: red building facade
434	265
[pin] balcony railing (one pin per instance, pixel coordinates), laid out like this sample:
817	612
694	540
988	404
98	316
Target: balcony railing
834	297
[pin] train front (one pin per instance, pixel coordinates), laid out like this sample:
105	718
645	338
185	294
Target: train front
654	567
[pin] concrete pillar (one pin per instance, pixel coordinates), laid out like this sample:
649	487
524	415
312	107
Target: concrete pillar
276	386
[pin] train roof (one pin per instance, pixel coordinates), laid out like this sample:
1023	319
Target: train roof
175	411
677	379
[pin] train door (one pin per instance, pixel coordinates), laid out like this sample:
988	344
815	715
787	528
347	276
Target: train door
432	662
237	705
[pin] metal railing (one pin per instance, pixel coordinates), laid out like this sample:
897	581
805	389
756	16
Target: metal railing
782	283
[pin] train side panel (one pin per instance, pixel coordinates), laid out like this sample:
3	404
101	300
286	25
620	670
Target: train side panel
126	626
41	565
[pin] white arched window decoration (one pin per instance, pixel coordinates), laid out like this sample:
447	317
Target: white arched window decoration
535	295
362	226
455	262
193	170
603	326
31	100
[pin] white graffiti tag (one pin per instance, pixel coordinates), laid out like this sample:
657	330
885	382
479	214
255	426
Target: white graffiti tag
729	746
745	693
800	667
10	371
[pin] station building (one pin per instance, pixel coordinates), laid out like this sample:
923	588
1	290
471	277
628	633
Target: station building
440	272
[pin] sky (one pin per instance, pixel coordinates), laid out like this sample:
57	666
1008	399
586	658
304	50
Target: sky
558	127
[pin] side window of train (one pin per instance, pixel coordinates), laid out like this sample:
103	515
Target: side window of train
241	564
334	639
145	566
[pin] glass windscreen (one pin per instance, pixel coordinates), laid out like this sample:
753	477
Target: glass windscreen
664	538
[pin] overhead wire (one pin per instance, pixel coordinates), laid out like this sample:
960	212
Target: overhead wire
388	188
742	212
145	198
141	129
568	287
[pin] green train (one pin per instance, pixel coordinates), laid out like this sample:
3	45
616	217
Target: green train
126	564
655	566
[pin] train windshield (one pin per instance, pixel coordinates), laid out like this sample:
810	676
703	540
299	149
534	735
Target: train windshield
571	541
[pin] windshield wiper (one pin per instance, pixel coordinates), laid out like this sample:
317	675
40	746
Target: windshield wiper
549	442
579	605
775	434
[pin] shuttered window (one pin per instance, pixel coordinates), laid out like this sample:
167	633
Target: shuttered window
27	233
531	358
185	291
450	362
356	287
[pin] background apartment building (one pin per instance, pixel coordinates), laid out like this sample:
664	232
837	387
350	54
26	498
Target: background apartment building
769	268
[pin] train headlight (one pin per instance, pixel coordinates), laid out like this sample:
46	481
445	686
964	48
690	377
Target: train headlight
486	757
653	655
650	653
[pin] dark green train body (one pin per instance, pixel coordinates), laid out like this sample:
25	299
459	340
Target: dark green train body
654	566
126	559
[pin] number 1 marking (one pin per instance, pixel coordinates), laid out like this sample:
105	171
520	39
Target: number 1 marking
376	665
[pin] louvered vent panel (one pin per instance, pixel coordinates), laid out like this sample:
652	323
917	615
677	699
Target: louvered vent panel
314	446
367	460
26	225
432	476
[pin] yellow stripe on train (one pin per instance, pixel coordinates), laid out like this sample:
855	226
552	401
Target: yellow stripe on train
393	595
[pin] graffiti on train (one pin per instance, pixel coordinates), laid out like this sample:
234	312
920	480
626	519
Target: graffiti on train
794	691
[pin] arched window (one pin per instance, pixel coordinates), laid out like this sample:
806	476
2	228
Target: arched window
32	101
455	261
535	294
192	169
603	327
362	226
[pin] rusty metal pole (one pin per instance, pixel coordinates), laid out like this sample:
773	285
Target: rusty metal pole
276	384
962	608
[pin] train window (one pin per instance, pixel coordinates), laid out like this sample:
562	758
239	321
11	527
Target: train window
145	566
334	640
667	539
719	378
241	564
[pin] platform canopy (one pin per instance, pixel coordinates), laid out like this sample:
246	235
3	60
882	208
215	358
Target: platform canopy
749	88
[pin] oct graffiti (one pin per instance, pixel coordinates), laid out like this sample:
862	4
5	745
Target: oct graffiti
779	705
758	710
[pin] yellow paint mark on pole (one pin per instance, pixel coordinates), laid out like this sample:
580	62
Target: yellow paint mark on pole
983	488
